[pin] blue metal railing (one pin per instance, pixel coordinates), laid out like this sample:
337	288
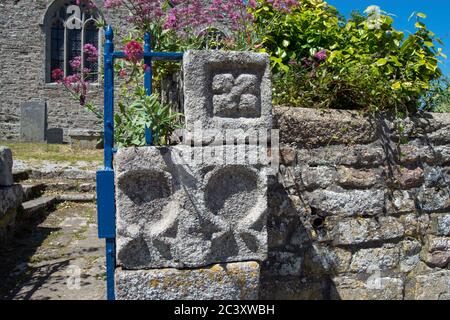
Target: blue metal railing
106	209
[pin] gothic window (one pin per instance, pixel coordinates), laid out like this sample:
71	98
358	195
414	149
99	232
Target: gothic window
69	27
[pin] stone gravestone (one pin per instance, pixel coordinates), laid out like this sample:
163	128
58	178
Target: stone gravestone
191	220
33	121
6	163
55	136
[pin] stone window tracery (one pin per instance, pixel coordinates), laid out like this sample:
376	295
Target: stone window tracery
68	27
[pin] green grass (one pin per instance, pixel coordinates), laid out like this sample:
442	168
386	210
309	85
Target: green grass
51	152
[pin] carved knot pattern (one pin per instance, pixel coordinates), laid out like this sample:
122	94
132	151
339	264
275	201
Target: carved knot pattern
236	97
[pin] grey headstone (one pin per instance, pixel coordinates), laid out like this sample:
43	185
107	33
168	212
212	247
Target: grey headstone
226	90
172	213
33	121
6	163
55	136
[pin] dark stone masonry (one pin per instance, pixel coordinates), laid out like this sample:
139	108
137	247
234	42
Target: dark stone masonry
359	211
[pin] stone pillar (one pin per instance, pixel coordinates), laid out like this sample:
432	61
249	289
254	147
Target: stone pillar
191	219
10	196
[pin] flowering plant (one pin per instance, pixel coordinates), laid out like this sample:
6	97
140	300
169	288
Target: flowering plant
77	84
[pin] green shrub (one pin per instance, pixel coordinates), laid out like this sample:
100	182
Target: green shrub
366	67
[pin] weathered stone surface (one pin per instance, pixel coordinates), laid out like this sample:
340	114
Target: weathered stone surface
293	288
7	226
284	264
401	201
360	155
407	178
362	230
299	126
33	121
83	139
435	177
437	251
10	198
432	286
441	224
172	213
409	254
312	178
55	136
358	179
6	163
376	259
375	287
232	281
288	156
414	154
347	203
415	224
323	260
226	90
435	199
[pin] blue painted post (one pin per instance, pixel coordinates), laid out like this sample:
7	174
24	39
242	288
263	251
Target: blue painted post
148	73
105	178
108	152
109	97
148	76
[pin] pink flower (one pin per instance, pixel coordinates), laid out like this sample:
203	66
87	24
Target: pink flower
90	52
75	63
109	4
57	75
122	73
133	51
321	55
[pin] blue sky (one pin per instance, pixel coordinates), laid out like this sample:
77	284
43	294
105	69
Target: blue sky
437	11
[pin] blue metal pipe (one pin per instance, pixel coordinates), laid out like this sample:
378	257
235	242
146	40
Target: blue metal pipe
108	154
110	267
109	98
148	73
105	178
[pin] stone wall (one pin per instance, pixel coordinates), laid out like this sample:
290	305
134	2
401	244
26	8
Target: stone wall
22	58
10	196
359	211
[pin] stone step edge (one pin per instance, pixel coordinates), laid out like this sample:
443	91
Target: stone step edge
32	191
21	175
36	207
72	175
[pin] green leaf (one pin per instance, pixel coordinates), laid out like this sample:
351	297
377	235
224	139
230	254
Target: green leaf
396	85
419	25
381	62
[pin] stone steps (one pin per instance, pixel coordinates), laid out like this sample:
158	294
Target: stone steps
32	191
33	209
21	175
77	197
43	190
71	186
